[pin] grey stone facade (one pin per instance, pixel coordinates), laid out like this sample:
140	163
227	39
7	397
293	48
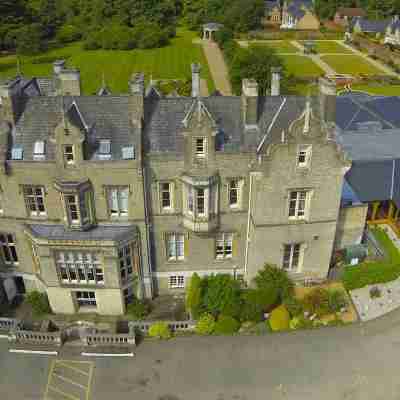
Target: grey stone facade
103	197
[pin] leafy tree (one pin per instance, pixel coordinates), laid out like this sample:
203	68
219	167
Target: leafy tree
193	296
256	301
68	34
222	295
29	39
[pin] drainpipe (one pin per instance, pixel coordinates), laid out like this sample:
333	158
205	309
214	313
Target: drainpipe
148	229
246	260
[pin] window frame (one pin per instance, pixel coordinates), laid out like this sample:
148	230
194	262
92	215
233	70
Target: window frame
82	208
300	213
69	156
200	142
32	199
178	243
126	262
206	196
238	190
176	282
304	150
291	252
120	213
227	240
170	192
79	265
89	301
9	244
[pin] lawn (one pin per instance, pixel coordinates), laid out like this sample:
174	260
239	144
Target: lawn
280	46
390	249
351	64
170	62
330	46
385	90
301	66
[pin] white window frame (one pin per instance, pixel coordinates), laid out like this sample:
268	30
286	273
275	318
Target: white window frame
177	241
34	200
298	206
126	262
119	192
69	154
224	246
176	281
8	248
194	195
200	147
235	186
304	152
72	264
292	257
86	298
81	207
169	195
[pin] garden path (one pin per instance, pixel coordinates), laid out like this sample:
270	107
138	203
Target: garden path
218	68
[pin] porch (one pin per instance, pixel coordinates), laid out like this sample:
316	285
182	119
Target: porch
384	212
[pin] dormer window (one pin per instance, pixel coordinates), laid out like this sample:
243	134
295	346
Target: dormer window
39	151
304	156
105	149
200	148
69	156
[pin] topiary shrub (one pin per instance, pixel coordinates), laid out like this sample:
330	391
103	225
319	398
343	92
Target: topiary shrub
271	276
226	325
138	309
39	302
205	325
279	319
160	330
193	296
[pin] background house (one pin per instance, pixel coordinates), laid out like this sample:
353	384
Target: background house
273	13
299	14
364	25
345	15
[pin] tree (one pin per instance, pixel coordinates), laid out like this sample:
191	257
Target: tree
254	63
193	296
29	39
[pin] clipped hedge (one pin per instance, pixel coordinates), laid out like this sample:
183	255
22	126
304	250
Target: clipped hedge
355	277
279	319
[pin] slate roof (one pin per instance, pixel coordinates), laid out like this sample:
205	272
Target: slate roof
372	26
100	117
394	26
296	7
112	232
46	86
164	121
271	4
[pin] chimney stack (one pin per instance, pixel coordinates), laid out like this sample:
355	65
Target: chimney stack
327	95
68	80
136	99
250	103
58	66
136	84
276	81
196	80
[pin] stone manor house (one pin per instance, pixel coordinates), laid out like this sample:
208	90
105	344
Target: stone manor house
108	196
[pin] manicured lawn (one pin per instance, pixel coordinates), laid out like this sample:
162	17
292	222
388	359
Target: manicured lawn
352	64
385	90
330	46
301	66
280	46
390	249
170	62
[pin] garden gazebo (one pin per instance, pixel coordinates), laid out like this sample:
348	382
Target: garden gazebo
209	29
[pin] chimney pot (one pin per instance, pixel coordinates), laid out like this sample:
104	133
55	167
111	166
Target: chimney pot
195	79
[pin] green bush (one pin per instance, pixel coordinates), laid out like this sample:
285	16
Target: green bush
317	301
160	330
255	302
337	299
279	319
68	34
138	309
193	296
39	302
355	277
300	322
294	306
269	276
226	325
205	325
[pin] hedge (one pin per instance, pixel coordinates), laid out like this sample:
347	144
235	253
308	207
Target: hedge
355	277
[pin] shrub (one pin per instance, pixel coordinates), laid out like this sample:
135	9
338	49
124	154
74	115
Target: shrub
68	34
29	39
279	319
355	277
255	302
300	322
205	325
294	306
336	299
39	302
193	296
277	278
92	41
317	302
226	325
160	330
138	309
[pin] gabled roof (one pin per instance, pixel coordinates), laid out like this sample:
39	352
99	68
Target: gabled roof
372	26
351	12
104	91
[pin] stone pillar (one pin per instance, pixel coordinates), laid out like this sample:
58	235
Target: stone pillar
276	81
195	79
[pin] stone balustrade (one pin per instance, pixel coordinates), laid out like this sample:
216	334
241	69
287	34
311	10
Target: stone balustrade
104	339
174	326
7	324
20	336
